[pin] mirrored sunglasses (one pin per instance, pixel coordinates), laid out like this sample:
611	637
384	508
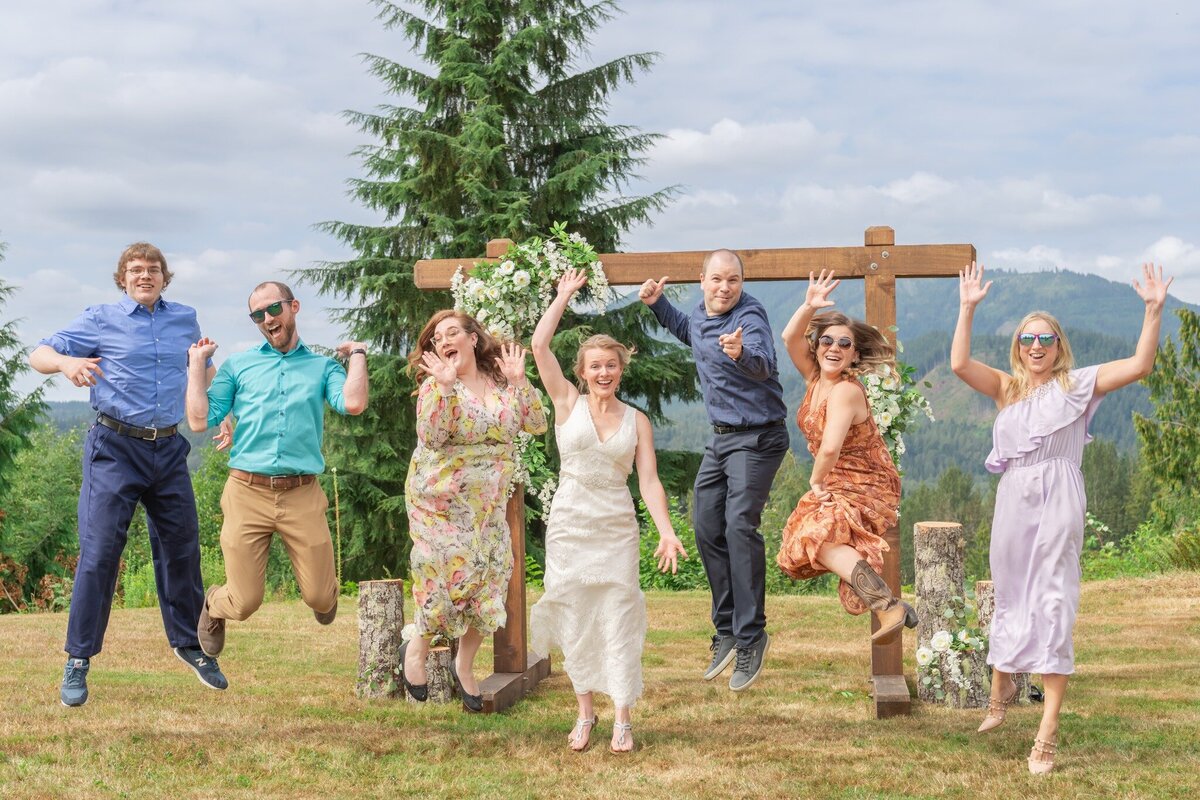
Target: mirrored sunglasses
844	342
1045	339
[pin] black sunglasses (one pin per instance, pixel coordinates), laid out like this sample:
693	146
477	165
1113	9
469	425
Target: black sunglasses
275	309
845	342
1046	339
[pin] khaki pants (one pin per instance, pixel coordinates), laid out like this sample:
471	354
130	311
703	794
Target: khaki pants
253	514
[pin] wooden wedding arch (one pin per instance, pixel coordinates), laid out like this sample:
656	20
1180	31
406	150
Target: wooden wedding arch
879	262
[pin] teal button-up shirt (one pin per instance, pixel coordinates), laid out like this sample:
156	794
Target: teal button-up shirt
278	400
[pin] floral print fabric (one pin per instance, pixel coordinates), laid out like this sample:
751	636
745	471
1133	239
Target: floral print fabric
456	494
865	489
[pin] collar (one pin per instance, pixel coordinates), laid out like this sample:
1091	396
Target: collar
128	305
265	347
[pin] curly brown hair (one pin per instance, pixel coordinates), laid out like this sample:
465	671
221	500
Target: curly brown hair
487	348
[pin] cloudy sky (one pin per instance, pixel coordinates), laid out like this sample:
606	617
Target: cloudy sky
1048	134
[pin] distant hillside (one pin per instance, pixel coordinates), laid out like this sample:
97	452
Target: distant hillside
1102	318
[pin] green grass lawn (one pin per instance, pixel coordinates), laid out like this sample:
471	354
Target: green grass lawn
290	725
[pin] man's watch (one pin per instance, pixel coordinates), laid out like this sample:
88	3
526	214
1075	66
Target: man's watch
357	350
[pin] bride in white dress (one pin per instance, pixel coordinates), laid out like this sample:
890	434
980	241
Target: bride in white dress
593	608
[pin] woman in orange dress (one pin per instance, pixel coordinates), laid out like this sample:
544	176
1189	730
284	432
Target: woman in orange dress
838	525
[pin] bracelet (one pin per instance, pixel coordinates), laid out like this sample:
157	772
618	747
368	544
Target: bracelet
358	350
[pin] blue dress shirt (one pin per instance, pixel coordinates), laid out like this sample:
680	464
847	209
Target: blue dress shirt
278	400
742	392
143	356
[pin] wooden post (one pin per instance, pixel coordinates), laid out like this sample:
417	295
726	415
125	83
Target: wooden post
380	622
985	601
517	671
887	660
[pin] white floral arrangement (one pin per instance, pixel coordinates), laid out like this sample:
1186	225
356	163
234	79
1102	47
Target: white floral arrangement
895	403
508	296
943	660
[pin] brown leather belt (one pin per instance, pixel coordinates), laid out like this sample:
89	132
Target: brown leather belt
276	482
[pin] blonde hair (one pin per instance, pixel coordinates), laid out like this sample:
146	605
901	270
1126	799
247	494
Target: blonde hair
1064	360
873	347
601	341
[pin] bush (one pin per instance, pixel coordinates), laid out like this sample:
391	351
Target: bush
691	570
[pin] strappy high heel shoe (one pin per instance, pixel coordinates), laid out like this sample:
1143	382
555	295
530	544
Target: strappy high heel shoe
997	710
582	726
1042	747
624	729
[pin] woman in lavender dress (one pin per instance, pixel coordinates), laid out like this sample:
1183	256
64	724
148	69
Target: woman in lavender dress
1045	406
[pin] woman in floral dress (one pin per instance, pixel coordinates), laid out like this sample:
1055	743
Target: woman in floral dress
1045	406
838	526
471	407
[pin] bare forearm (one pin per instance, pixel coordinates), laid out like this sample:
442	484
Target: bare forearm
45	359
354	392
548	324
960	347
797	326
655	498
197	396
1147	345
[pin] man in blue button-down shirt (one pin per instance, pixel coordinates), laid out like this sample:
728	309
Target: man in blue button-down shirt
277	392
734	349
132	354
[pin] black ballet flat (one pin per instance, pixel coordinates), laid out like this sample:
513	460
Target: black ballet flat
418	693
471	702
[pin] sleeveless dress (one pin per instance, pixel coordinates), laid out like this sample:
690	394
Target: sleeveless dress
593	608
1037	528
865	487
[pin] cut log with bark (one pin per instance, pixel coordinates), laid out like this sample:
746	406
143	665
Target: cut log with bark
440	679
380	623
985	598
938	556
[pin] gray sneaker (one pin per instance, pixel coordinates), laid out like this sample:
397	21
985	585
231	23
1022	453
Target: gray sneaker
722	649
74	684
749	662
204	666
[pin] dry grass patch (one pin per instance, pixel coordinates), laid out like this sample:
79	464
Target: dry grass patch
290	725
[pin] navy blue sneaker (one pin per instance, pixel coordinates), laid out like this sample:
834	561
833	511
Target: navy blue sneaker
206	667
74	684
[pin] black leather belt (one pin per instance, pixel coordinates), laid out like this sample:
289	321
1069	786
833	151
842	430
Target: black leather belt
149	434
743	428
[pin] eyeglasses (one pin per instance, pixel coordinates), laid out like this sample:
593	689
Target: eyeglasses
275	309
138	272
845	342
1045	339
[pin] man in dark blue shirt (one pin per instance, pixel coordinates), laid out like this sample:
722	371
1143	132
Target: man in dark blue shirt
734	349
132	355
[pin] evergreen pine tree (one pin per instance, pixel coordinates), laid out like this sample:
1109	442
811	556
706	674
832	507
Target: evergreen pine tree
505	135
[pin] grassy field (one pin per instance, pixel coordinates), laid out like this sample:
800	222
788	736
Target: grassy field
290	725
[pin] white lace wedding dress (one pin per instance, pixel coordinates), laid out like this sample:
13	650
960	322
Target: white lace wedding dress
593	609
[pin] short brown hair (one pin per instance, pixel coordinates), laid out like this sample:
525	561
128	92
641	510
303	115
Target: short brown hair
146	252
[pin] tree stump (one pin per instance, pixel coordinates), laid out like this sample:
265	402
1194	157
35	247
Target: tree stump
380	622
437	668
953	677
985	598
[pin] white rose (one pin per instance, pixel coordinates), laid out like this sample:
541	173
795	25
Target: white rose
964	637
492	292
941	641
884	420
481	315
924	656
520	279
506	267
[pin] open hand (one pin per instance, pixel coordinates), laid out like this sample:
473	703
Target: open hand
512	363
652	290
1154	293
819	289
971	288
731	343
572	281
444	372
81	371
669	550
224	437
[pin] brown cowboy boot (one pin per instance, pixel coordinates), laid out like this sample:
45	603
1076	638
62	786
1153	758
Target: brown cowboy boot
891	612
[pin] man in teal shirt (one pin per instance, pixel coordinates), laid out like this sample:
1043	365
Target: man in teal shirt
277	394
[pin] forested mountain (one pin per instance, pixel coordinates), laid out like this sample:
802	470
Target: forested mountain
1102	319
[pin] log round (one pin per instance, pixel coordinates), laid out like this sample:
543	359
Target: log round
380	622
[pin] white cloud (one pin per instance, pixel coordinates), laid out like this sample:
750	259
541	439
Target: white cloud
730	144
1173	252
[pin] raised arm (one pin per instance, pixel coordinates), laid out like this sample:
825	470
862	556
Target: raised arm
846	401
437	402
667	315
655	497
794	339
979	376
562	392
524	399
200	375
354	392
1122	372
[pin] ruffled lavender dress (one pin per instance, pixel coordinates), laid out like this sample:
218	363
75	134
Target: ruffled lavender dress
1037	530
